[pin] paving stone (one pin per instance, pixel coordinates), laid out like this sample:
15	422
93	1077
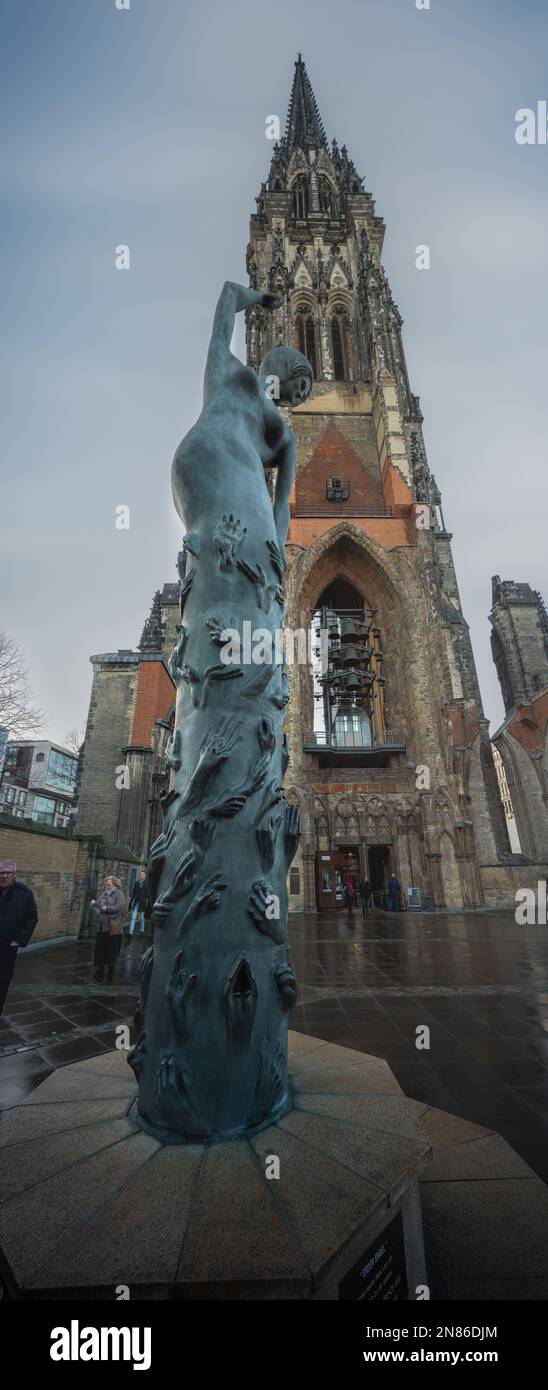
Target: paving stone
395	1114
324	1202
119	1246
324	1054
490	1157
75	1048
363	1080
238	1232
35	1121
68	1084
384	1159
470	969
476	1229
22	1165
37	1222
301	1045
444	1128
113	1063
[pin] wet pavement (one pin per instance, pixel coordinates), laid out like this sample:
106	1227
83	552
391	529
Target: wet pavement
478	982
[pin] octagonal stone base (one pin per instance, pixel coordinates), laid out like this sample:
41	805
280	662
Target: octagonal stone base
91	1203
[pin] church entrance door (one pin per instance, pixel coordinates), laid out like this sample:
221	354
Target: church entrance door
380	868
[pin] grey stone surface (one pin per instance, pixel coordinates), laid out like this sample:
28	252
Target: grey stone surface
444	1128
34	1224
375	1074
384	1159
239	1235
301	1045
391	1114
213	1225
494	1225
106	1064
137	1238
324	1202
35	1121
22	1165
68	1085
344	1080
489	1157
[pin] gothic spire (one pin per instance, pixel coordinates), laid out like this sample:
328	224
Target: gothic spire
304	125
153	631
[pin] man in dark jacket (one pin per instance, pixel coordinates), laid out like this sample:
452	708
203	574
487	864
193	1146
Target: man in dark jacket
18	918
366	895
393	893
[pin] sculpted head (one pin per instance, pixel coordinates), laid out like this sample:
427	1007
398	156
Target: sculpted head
286	375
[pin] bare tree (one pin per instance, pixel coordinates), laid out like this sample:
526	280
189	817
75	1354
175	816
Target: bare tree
74	739
17	710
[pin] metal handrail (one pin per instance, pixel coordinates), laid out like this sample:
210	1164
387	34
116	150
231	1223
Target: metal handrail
343	509
391	738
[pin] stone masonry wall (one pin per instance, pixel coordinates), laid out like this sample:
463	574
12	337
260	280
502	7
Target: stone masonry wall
107	733
63	873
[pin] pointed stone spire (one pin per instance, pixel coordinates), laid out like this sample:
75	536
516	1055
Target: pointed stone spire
304	126
152	635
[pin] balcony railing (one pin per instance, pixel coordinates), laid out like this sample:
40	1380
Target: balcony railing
351	738
343	509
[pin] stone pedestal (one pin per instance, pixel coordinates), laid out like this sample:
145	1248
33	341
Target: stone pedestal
91	1203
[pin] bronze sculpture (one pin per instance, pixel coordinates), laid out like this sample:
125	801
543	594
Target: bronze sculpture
217	985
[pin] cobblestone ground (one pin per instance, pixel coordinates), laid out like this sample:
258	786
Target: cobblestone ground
478	981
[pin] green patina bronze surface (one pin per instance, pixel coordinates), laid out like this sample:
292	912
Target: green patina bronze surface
217	985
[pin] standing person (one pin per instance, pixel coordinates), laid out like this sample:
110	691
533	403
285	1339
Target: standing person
139	905
393	893
18	918
365	895
110	907
349	893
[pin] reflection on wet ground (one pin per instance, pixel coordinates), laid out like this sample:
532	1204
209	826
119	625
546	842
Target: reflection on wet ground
477	981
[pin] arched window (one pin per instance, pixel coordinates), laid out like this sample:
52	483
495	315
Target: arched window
294	882
340	333
306	337
300	200
348	692
338	350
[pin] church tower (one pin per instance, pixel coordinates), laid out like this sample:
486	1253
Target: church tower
519	641
391	762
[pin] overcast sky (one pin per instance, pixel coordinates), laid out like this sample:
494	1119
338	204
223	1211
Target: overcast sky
147	127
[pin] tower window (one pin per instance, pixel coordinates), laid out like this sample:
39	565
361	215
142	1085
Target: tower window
337	490
294	882
339	330
349	695
307	339
300	200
